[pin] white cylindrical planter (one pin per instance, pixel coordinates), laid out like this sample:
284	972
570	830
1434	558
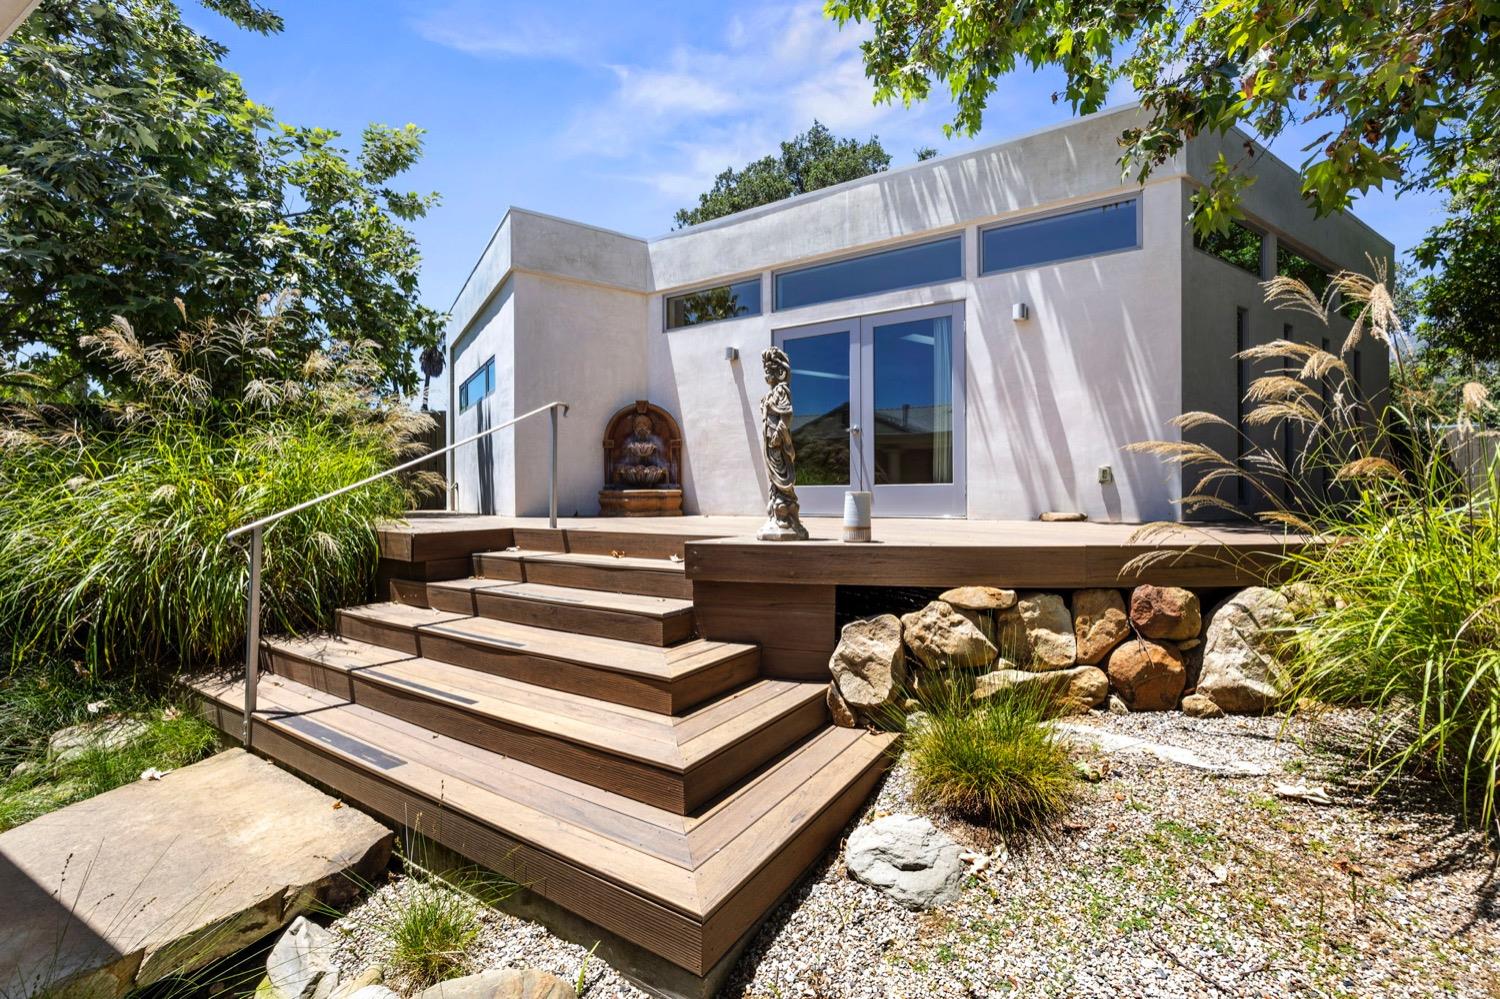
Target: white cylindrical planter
857	515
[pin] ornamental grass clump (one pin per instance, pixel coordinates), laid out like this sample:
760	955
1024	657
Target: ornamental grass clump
1400	599
991	761
113	514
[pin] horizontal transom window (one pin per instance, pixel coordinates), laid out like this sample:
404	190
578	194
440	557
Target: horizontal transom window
1084	232
478	385
887	270
708	305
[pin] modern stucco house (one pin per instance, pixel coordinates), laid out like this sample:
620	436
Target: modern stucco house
993	327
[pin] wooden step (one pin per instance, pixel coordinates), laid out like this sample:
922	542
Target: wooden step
652	577
628	617
667	680
680	763
684	888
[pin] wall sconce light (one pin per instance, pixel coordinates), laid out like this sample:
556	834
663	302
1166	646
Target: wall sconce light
731	354
1020	312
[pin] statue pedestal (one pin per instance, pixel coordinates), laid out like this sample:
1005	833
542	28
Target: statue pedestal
640	502
772	531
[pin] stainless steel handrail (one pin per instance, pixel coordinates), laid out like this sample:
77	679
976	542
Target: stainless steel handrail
256	529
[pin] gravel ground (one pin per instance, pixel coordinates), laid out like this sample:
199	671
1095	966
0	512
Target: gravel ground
1164	881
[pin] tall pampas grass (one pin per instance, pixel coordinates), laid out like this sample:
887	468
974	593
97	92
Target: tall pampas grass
112	518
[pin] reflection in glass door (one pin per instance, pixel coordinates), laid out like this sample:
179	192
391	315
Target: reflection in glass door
879	405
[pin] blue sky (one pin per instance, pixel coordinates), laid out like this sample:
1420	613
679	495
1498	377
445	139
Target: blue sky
616	114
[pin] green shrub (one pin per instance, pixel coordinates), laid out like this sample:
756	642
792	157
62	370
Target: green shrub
1409	574
991	761
430	930
112	517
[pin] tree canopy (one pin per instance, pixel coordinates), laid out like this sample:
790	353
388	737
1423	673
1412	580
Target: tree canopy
1459	298
815	159
1404	91
137	178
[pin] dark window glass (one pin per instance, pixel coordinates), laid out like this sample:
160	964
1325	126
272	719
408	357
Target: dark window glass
478	385
1239	246
1290	263
1100	229
727	301
820	407
889	270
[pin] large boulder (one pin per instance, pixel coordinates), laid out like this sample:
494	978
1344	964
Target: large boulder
939	637
843	715
502	983
1240	672
1148	676
1099	623
1165	612
908	858
1048	632
869	665
300	965
980	604
1072	690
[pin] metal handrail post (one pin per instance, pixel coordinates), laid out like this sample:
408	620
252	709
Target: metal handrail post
252	632
552	484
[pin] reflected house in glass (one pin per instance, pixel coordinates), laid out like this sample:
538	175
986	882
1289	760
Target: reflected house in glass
970	336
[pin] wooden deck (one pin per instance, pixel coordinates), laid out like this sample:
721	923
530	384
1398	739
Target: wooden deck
629	716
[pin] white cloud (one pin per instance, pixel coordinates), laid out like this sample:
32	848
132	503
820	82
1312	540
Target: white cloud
473	28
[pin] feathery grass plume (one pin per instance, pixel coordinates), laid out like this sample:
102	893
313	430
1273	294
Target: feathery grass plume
1408	560
113	515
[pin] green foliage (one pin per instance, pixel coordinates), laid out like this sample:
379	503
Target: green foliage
1404	92
112	519
430	931
1405	599
991	761
136	171
812	160
38	702
1458	299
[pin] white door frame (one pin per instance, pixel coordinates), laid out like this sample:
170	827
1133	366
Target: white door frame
947	499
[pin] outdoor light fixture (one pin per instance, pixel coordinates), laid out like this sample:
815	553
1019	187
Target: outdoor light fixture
1020	312
731	354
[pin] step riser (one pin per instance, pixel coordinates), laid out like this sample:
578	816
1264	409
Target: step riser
650	583
392	636
596	542
502	606
682	793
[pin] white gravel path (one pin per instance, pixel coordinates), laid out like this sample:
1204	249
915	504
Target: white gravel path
1165	881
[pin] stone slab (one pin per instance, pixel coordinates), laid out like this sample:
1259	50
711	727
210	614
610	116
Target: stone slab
160	877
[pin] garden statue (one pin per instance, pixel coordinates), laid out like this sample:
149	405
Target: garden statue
782	520
642	455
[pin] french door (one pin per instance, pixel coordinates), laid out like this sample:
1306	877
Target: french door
878	403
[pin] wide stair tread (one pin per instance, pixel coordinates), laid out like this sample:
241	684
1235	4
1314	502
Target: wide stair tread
620	574
676	762
668	679
686	888
630	617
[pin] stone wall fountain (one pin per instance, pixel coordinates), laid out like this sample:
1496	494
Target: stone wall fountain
642	464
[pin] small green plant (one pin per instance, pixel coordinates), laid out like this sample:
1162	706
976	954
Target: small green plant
430	931
990	761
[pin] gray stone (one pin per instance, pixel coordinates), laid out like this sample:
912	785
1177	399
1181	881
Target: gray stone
351	987
1099	624
502	983
1240	672
939	637
1072	690
1199	706
1050	643
372	992
300	965
908	858
869	665
167	876
1117	706
68	744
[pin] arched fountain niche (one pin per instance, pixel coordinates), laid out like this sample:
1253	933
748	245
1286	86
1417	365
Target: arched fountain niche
642	463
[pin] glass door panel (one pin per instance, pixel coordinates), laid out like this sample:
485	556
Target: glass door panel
820	407
912	426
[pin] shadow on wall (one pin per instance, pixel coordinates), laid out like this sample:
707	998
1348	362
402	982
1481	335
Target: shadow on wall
485	458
